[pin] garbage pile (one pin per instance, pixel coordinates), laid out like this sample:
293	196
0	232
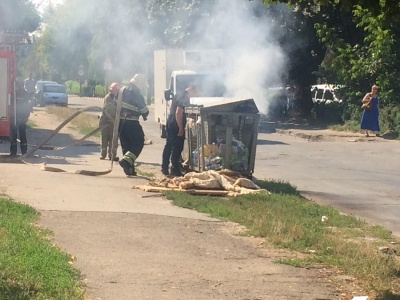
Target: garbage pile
218	183
214	155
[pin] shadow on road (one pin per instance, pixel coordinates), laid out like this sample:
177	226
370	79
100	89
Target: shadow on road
54	156
269	142
270	126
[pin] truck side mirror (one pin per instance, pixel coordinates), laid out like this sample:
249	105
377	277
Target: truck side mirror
168	95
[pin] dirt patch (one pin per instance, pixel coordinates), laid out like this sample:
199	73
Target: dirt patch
44	124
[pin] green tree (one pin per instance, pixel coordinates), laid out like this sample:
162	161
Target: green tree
357	63
359	46
18	15
84	33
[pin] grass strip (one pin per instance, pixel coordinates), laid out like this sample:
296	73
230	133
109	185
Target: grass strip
288	220
31	267
84	122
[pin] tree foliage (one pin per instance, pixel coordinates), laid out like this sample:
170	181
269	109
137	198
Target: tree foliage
351	42
18	15
371	57
359	46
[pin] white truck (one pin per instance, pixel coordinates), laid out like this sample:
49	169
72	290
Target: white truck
174	69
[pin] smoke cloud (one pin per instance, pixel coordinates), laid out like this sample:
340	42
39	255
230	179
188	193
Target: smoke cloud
253	61
122	33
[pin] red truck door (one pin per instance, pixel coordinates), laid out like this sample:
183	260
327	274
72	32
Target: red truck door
7	76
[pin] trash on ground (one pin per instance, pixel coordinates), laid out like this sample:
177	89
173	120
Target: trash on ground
217	183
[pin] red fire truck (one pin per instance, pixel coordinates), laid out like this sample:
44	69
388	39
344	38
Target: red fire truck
8	64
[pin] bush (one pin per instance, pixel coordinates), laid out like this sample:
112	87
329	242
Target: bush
352	112
390	118
72	87
328	112
87	91
99	91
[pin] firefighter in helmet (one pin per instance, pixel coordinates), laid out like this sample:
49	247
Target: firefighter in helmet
107	118
131	133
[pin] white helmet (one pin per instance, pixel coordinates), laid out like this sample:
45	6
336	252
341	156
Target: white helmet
140	81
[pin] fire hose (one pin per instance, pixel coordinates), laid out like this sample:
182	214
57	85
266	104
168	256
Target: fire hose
62	125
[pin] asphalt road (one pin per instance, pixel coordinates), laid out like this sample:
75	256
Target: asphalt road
358	176
362	177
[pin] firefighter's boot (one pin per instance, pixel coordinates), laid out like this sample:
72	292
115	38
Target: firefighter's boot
176	170
24	148
128	163
13	149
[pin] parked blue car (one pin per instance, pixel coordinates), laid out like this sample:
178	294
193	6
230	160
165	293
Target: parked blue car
53	94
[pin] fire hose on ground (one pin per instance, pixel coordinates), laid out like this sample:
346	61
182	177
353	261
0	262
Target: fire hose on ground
44	167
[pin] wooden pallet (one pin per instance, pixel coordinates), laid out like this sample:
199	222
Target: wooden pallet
156	189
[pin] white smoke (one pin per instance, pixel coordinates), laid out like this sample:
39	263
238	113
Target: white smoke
253	72
254	60
120	32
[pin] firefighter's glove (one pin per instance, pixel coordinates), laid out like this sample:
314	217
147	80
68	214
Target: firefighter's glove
145	115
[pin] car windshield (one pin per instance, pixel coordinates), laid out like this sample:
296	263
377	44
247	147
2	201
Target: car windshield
54	88
41	83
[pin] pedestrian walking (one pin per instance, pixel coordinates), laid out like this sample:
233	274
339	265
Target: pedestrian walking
21	110
370	115
175	127
107	118
29	86
131	133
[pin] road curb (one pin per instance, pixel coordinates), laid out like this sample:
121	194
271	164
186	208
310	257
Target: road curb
326	136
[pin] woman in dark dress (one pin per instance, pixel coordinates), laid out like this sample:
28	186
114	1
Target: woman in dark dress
370	117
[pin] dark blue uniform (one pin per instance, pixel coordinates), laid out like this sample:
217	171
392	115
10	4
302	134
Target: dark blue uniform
174	144
131	133
18	125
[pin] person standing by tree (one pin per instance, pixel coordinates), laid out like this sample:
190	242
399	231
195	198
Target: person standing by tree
18	120
370	116
29	85
176	124
108	117
131	133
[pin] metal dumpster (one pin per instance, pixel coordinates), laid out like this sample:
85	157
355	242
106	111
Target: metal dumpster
222	136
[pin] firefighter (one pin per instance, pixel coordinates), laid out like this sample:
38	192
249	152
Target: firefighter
108	117
19	118
176	124
131	133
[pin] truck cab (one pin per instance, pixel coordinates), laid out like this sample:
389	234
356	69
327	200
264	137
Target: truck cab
209	84
174	69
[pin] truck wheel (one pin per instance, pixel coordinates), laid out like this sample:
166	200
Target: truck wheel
163	131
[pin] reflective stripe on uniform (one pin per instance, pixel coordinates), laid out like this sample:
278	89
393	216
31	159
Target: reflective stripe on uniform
130	157
144	110
131	118
130	107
